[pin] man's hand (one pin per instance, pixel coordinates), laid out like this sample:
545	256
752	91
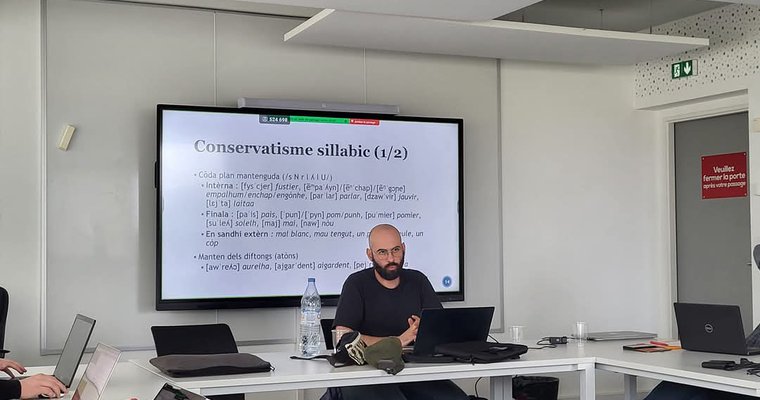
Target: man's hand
410	334
40	384
8	366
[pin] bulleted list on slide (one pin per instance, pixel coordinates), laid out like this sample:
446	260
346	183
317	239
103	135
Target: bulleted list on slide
238	221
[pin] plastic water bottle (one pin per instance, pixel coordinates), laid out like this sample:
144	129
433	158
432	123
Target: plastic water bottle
310	336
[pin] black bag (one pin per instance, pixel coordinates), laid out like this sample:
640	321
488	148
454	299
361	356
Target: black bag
535	388
478	352
184	365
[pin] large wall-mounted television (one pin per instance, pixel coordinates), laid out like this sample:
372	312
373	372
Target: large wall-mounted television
253	202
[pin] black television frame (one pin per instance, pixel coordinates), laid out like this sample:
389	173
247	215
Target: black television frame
288	301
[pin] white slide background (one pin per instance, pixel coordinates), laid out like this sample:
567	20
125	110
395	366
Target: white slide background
247	223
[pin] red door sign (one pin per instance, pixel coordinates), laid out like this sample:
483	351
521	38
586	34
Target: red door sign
724	175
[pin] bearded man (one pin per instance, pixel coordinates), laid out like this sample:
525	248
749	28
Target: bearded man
385	301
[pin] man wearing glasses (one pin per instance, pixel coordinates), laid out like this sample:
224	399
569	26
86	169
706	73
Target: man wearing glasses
384	301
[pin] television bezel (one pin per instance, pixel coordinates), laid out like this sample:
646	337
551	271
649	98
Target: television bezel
289	301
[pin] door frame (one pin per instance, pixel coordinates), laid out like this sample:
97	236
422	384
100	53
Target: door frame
667	118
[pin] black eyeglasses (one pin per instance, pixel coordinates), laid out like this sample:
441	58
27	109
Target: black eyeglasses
384	253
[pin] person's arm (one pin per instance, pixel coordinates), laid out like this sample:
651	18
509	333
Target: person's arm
8	366
367	339
29	388
10	389
407	337
350	312
429	298
36	385
753	340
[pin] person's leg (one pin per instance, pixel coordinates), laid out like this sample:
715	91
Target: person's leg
435	390
372	392
718	395
676	391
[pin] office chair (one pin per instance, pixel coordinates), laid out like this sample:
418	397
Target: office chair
193	339
196	339
4	299
327	332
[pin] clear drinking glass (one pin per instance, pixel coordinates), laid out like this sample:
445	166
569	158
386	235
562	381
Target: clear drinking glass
336	335
516	333
580	331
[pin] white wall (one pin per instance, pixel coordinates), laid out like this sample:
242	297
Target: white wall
584	197
97	50
20	127
753	105
726	82
583	203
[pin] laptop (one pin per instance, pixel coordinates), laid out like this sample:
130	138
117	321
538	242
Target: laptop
620	335
74	348
451	325
171	392
712	328
98	372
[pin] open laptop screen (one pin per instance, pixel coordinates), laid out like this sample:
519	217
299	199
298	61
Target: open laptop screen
713	328
73	349
97	374
170	392
451	325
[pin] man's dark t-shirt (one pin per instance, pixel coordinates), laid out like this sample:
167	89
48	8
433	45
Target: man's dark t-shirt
370	308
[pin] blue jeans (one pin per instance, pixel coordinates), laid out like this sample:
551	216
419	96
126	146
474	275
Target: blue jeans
676	391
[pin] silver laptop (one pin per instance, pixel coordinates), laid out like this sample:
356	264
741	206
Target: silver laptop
76	343
620	335
98	372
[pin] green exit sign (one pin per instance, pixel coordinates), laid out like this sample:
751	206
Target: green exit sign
683	69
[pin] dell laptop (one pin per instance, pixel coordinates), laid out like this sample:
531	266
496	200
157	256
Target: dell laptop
74	348
451	325
712	328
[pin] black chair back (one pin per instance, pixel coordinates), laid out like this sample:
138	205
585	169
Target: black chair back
194	339
4	299
327	332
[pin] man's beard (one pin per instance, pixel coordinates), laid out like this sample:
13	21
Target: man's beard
386	274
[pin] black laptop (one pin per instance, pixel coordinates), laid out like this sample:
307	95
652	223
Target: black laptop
451	325
73	349
712	328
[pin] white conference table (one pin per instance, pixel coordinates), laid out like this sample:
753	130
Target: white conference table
311	374
678	366
127	381
139	379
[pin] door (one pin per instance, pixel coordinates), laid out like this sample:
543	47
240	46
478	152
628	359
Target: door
712	234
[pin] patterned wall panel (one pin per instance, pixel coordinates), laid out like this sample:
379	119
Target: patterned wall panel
734	51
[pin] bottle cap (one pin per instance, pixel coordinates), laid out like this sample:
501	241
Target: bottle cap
312	280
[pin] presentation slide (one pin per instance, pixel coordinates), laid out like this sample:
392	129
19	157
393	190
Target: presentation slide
251	205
